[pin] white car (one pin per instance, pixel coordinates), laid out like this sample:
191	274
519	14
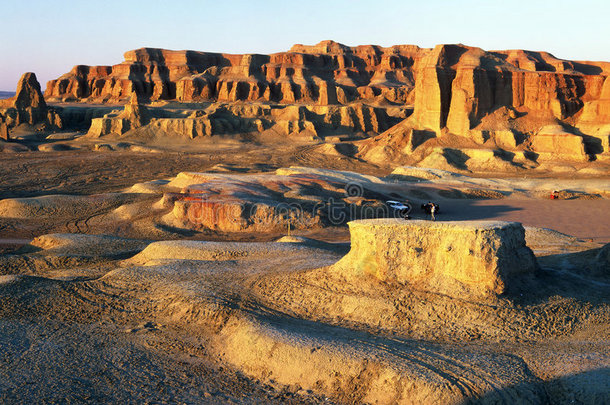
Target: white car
402	209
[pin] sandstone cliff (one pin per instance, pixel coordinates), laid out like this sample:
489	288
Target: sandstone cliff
531	104
455	85
328	73
458	86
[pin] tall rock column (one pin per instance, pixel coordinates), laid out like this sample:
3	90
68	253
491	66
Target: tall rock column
471	99
433	84
433	97
29	101
27	106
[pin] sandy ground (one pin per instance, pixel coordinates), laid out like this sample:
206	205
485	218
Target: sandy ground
124	320
586	219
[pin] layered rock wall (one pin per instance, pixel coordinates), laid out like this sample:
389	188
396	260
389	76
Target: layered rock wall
328	73
456	86
508	97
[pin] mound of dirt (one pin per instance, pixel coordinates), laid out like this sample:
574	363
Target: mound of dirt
93	245
212	251
61	205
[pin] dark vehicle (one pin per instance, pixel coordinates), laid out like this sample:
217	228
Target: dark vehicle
400	209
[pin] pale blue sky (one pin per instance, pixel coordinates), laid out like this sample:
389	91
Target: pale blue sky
49	37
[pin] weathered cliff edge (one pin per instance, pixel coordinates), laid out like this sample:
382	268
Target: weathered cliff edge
459	259
516	101
332	73
510	100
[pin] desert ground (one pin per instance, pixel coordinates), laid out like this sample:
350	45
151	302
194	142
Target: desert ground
220	238
100	318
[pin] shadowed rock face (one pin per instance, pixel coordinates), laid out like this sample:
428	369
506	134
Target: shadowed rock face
459	259
28	105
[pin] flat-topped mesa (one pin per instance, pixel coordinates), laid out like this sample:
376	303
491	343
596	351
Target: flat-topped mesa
461	259
499	99
300	75
467	82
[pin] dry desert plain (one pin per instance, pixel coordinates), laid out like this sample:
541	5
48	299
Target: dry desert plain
191	227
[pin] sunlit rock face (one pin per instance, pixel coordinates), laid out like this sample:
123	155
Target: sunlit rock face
460	259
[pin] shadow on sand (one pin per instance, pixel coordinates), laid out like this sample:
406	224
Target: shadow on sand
590	387
469	210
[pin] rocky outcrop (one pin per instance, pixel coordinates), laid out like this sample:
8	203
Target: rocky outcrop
136	113
133	116
498	100
28	94
459	259
221	118
328	73
299	198
28	105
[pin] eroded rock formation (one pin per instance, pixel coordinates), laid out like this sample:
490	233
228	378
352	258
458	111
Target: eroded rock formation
523	102
455	85
459	259
232	118
328	73
267	203
514	96
458	85
28	106
133	116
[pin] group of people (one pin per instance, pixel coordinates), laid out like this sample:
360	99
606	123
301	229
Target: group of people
431	209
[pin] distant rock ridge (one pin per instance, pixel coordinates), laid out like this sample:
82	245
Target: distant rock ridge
531	103
311	74
6	94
